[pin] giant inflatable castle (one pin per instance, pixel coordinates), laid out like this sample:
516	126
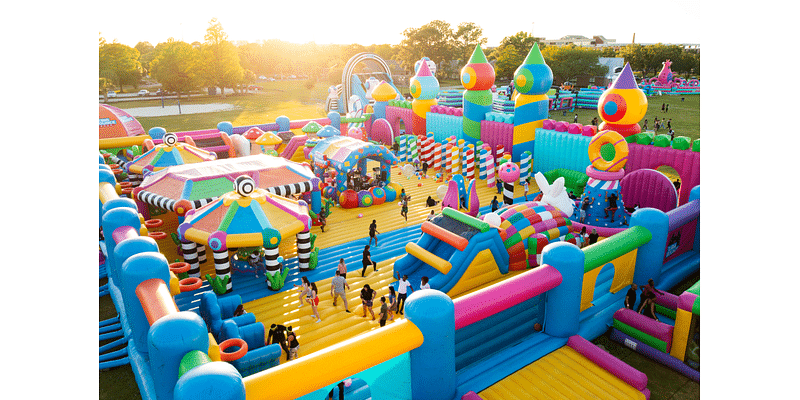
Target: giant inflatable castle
667	83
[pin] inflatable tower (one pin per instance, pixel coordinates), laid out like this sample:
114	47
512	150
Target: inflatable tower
423	88
532	80
622	105
477	77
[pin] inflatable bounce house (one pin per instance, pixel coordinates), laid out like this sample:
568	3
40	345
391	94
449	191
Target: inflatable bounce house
196	329
667	83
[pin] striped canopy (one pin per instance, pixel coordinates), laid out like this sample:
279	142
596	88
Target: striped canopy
162	156
116	123
199	184
258	219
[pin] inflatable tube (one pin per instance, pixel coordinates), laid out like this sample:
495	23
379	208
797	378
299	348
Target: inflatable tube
620	150
233	342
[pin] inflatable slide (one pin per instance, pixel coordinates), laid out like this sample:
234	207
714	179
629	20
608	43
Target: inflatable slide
456	252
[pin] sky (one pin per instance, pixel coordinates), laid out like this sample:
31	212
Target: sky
301	21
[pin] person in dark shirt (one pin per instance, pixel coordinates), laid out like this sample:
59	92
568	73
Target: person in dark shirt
630	297
431	202
277	334
593	236
366	261
587	201
373	230
294	345
612	205
495	204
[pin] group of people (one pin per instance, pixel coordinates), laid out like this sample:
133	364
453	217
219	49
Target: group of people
648	304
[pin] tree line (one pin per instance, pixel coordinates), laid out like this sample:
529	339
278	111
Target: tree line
182	67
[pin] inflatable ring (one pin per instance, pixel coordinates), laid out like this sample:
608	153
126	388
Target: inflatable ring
620	151
179	267
236	354
189	284
604	175
157	235
153	223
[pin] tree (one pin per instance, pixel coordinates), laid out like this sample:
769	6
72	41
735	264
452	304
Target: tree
175	66
511	53
105	85
120	64
568	62
433	40
466	37
220	60
146	55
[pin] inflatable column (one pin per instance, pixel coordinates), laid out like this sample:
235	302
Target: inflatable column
273	267
433	364
303	250
222	265
401	143
477	77
508	173
622	105
423	88
532	80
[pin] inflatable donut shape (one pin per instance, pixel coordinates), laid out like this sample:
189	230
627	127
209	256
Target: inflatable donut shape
620	151
232	342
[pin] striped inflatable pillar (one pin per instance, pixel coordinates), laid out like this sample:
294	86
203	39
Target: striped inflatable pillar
437	158
525	166
499	153
470	163
189	250
413	151
271	262
429	145
483	155
448	159
303	250
201	253
401	142
454	160
222	267
490	169
477	77
508	192
461	160
532	81
135	179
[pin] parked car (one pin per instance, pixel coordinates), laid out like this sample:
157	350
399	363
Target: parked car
111	93
262	77
159	92
254	87
144	92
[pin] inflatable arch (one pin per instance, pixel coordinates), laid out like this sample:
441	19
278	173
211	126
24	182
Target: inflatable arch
685	163
347	73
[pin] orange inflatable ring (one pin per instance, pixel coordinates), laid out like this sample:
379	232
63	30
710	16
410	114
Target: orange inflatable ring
178	267
153	223
189	284
620	151
157	235
236	354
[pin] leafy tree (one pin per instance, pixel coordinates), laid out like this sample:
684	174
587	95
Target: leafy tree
466	37
175	66
568	62
120	64
146	55
219	59
433	40
105	85
511	53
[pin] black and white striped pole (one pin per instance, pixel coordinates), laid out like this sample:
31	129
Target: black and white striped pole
508	172
303	250
189	250
271	262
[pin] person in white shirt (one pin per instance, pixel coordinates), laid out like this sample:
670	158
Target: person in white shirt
430	216
403	285
424	283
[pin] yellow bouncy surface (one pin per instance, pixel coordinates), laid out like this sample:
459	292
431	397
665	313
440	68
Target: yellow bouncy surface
562	374
345	226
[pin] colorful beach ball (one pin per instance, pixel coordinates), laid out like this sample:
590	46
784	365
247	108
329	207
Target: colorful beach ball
329	192
391	193
378	195
364	199
348	199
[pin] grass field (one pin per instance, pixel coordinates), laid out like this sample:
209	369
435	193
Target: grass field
293	99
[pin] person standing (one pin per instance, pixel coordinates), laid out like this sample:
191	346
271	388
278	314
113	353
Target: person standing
404	208
342	268
294	345
366	261
667	110
587	201
403	285
313	300
575	120
303	290
373	231
277	334
392	303
580	239
669	124
644	127
424	283
495	204
338	283
630	297
662	107
257	262
593	236
384	311
431	216
323	220
367	297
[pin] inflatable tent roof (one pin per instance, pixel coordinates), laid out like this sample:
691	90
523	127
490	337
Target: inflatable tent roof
116	123
344	152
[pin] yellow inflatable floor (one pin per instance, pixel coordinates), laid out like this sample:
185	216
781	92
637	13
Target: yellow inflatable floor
562	374
344	226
